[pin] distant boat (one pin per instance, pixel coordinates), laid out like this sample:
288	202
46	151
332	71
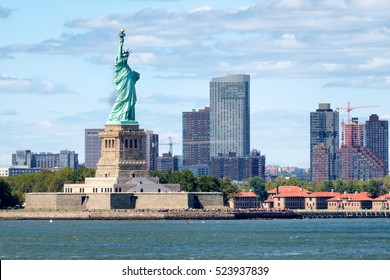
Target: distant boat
51	220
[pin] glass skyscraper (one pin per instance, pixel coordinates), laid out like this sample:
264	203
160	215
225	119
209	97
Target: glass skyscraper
229	115
324	141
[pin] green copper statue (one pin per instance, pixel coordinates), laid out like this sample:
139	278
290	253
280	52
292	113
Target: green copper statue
123	110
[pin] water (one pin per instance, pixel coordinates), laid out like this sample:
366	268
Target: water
326	239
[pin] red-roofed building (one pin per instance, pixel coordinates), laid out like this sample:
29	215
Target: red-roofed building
356	201
247	200
293	197
289	197
269	203
318	200
284	189
381	203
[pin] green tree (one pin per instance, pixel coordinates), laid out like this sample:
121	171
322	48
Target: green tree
207	184
159	174
6	197
228	189
187	181
258	185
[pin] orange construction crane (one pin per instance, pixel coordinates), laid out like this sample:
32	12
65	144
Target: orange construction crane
349	109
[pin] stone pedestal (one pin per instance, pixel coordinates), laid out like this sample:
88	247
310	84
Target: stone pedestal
122	152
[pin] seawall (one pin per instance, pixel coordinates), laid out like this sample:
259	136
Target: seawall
184	215
141	215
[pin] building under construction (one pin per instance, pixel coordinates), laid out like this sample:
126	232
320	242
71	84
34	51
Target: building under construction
353	159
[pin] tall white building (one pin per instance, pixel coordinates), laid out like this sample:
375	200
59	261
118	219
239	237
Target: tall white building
229	115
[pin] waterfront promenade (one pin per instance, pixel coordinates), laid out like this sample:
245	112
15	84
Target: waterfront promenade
196	214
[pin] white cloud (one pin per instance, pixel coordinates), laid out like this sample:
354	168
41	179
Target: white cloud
376	62
204	8
46	124
13	84
362	82
289	38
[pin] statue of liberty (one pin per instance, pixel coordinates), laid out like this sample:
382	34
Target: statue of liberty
123	109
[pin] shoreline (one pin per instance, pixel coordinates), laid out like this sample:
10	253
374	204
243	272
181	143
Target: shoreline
184	215
142	215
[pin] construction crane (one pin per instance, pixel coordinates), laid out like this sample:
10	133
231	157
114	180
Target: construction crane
349	109
170	143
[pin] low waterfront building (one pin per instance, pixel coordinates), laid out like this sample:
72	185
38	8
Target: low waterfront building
268	203
245	200
290	200
318	200
283	189
293	197
381	203
288	197
347	201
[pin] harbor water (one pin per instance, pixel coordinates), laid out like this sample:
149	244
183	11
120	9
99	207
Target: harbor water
307	239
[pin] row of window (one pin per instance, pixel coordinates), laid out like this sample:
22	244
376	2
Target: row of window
129	143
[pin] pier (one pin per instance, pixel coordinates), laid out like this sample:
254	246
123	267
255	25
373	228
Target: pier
329	214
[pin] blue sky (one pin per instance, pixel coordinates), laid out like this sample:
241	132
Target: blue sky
57	58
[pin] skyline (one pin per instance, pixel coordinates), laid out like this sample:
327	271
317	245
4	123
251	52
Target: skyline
56	74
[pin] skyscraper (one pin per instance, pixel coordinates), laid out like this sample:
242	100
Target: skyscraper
167	162
196	137
238	168
324	140
92	147
229	115
151	149
68	159
352	134
377	138
353	159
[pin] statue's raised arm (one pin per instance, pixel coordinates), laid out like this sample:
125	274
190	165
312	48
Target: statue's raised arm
123	110
121	40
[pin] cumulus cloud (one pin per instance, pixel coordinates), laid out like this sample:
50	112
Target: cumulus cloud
273	37
13	84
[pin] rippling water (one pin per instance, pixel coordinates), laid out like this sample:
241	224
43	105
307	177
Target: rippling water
327	239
